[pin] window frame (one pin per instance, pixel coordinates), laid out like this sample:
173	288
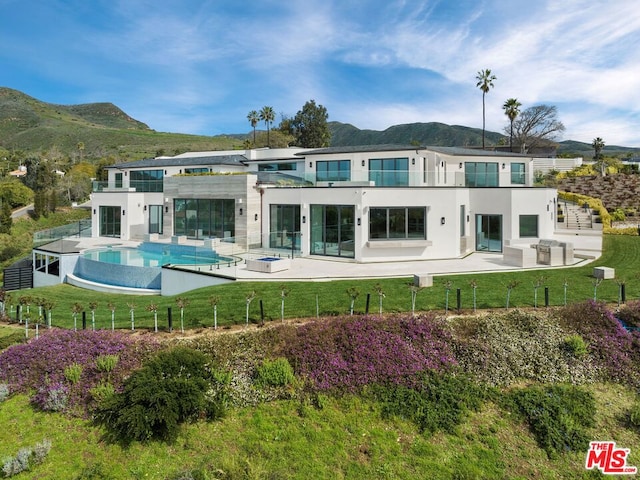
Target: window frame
390	216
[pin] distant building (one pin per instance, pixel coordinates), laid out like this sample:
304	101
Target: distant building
20	172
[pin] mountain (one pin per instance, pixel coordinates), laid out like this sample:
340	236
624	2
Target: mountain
102	129
32	126
432	133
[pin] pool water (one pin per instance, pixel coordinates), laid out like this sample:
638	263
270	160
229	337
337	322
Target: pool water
156	255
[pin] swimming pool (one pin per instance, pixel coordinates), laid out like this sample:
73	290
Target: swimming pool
150	254
141	267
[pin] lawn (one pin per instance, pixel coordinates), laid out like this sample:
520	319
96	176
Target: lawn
286	439
307	299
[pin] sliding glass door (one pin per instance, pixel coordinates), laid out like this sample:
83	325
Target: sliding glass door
332	230
489	233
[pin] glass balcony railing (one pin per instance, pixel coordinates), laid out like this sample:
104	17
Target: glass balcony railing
81	228
399	178
132	186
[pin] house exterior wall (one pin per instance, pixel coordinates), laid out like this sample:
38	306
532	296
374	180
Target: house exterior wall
240	188
434	180
131	204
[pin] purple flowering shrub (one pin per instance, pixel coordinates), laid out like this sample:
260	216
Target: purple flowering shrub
39	366
629	313
616	349
348	353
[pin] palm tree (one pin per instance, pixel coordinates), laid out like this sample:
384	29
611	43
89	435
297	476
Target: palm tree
253	118
511	110
598	145
267	115
485	83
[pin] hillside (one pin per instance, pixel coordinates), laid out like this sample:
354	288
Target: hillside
432	133
30	125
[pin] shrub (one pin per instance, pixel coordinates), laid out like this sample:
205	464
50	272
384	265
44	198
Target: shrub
275	373
73	373
634	415
39	366
53	397
559	416
439	402
576	346
4	392
629	313
170	389
505	348
349	353
102	391
26	458
614	348
106	363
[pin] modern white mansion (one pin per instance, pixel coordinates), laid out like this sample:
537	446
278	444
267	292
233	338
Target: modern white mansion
361	204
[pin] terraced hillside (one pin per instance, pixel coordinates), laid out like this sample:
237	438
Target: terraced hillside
615	191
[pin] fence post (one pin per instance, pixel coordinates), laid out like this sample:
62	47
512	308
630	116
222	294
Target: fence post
366	308
459	299
169	319
84	320
546	296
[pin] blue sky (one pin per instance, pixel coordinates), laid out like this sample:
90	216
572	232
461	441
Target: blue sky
199	66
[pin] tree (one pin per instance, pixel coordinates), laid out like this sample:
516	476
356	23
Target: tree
598	158
6	222
310	126
485	83
511	110
267	115
253	118
535	125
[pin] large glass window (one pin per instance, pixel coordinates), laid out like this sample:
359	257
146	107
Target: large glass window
463	221
517	173
397	223
284	226
196	170
109	221
146	180
528	226
277	167
155	219
204	218
332	230
481	174
118	180
389	172
333	171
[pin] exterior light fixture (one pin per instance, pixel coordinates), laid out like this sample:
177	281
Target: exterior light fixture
504	165
363	163
310	164
442	220
256	217
304	219
460	165
240	211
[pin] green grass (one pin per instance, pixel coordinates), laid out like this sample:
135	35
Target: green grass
286	439
620	252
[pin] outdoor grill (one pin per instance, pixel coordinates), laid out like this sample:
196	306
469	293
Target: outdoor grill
552	252
544	251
